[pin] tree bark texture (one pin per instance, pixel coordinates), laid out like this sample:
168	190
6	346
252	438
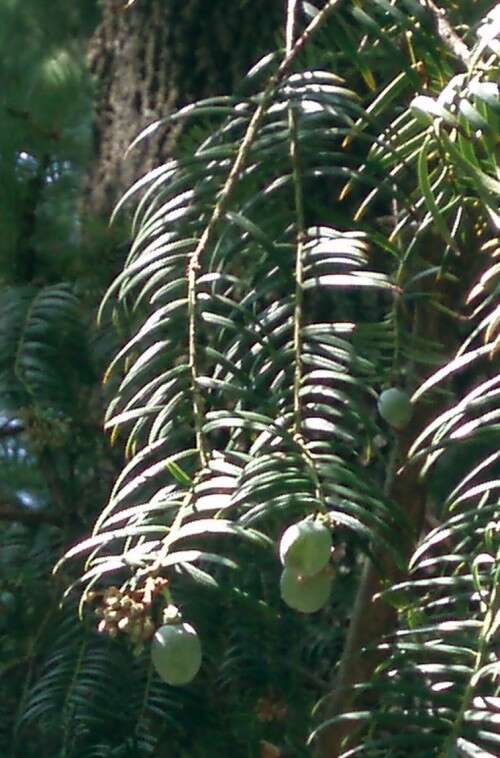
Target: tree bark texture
149	58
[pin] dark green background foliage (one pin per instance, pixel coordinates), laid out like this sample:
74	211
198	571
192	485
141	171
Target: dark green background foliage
288	244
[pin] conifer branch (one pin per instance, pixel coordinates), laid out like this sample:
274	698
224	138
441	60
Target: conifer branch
223	200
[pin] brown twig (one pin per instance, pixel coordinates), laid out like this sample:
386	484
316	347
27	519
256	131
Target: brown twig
26	516
448	35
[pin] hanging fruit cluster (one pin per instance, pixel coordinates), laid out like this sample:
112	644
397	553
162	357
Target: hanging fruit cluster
175	646
305	550
306	580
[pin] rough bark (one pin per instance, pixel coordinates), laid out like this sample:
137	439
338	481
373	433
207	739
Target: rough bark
152	56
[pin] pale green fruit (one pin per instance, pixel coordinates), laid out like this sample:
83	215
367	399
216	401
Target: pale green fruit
306	594
176	653
305	547
395	407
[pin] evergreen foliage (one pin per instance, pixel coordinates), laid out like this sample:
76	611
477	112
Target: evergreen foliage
324	233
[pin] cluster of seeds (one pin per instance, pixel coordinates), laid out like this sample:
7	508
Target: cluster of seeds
129	612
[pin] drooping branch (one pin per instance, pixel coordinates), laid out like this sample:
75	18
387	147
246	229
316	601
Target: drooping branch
226	194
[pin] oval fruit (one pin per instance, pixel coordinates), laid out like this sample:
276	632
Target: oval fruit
305	547
306	594
395	407
176	653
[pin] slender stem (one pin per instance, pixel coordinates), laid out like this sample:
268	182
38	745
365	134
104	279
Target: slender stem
300	230
176	524
311	467
299	265
198	403
291	12
222	203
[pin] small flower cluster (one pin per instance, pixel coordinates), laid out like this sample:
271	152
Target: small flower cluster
269	708
129	611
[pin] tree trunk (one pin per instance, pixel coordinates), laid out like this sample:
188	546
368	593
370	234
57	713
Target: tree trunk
148	58
374	619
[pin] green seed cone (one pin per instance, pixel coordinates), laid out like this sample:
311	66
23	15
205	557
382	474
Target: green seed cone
305	547
306	594
176	653
395	407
